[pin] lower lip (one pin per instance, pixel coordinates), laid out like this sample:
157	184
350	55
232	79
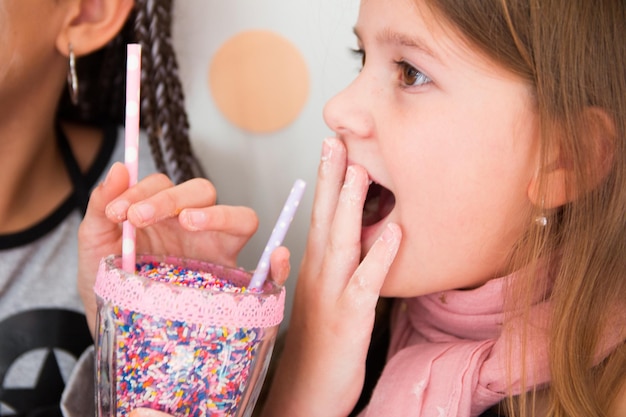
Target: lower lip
370	233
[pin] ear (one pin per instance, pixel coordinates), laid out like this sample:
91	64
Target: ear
556	183
91	24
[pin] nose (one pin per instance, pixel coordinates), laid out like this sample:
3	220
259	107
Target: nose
350	111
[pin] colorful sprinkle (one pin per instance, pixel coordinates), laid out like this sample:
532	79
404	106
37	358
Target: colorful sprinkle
184	369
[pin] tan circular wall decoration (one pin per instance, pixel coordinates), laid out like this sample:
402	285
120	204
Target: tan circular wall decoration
259	81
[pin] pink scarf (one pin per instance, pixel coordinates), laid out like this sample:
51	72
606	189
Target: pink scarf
447	358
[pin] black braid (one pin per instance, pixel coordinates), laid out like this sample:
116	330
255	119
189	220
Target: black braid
179	122
102	90
149	107
163	99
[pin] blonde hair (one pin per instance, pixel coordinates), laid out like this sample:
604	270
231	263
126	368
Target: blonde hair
571	53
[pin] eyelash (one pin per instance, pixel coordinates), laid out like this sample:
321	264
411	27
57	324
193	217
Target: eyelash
420	77
403	66
360	54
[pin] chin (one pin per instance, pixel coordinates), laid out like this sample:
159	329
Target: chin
394	285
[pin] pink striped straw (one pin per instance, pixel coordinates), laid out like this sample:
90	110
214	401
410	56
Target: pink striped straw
278	234
131	150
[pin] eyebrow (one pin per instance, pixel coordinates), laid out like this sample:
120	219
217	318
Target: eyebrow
390	36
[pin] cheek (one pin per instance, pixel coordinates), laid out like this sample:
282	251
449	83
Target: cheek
8	55
461	215
6	46
14	69
19	39
439	254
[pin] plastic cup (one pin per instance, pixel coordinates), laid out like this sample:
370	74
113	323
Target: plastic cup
168	343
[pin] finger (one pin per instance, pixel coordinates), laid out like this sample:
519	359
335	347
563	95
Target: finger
366	282
330	178
97	234
343	250
117	210
279	265
234	220
170	201
96	222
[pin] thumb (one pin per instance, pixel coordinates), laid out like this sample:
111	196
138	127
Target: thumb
98	236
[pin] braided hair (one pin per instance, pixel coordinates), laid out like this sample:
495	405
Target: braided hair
163	116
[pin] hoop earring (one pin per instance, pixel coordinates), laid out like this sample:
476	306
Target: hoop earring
72	78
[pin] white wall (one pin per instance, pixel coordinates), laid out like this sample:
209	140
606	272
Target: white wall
257	170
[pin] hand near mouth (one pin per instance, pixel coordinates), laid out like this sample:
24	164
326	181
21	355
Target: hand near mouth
322	369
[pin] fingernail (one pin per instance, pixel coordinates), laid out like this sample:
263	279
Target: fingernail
350	176
144	211
327	149
349	192
195	218
390	237
118	209
388	234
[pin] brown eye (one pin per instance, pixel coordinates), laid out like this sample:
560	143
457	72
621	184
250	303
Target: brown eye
411	76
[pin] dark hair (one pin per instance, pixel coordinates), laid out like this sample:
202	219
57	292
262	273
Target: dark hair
101	78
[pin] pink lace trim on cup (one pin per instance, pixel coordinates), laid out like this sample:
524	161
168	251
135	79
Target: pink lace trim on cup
188	304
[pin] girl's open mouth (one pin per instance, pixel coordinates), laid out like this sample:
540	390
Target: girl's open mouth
378	204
